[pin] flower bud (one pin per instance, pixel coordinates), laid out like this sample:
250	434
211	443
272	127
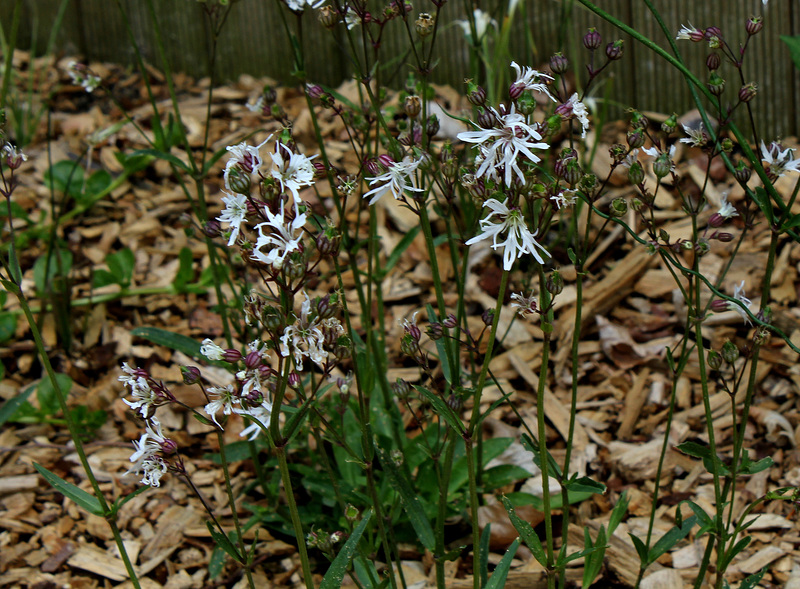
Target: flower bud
328	17
714	360
619	207
476	94
293	380
435	331
272	320
702	247
636	174
716	84
401	388
432	126
558	63
635	139
168	447
424	24
617	152
730	353
748	92
554	283
488	317
754	25
592	39
409	345
588	184
252	360
239	180
662	166
670	125
351	513
212	228
573	173
328	243
451	322
526	104
638	120
454	402
723	237
486	119
231	356
713	61
742	172
191	374
614	50
413	106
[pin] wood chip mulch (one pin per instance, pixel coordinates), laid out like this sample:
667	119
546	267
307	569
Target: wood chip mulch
630	313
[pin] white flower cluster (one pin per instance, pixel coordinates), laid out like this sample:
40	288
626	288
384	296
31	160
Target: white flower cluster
150	450
306	337
292	171
398	179
82	76
250	397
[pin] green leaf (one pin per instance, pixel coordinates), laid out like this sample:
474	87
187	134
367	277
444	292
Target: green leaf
167	157
121	265
185	270
618	512
173	341
441	349
96	185
86	501
553	469
764	203
101	278
712	463
65	176
47	395
641	549
216	563
222	541
498	580
8	325
412	503
750	467
527	533
333	578
483	555
11	406
794	48
502	475
442	409
753	580
791	223
43	274
670	539
738	547
585	485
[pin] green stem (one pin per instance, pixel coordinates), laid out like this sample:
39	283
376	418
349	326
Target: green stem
12	43
472	431
280	450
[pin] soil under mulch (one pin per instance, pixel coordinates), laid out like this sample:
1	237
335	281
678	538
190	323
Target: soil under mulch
631	312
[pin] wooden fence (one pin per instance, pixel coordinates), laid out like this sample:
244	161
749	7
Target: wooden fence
253	42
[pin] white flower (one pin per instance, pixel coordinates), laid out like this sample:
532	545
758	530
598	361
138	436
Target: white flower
689	33
143	396
211	350
727	210
292	170
225	401
146	459
739	295
524	305
518	241
304	338
565	198
234	213
482	23
398	179
655	151
779	161
257	106
12	155
261	414
529	79
282	237
299	5
580	112
502	145
82	76
696	137
351	19
244	156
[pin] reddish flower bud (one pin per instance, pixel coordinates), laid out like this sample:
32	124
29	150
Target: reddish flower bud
592	39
